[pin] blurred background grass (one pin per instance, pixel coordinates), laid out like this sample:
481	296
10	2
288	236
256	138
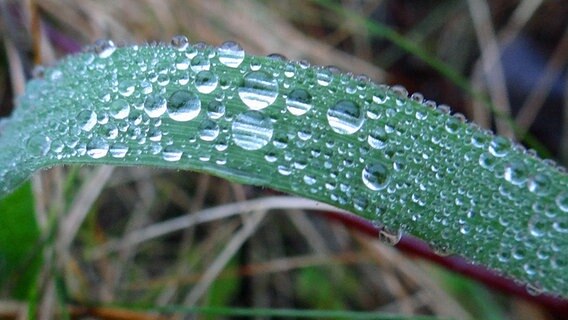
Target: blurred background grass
66	244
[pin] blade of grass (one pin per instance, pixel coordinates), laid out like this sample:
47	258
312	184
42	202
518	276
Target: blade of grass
365	148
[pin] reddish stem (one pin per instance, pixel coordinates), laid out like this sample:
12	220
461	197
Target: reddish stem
490	278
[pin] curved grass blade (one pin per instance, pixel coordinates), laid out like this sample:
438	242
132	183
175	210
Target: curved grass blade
312	131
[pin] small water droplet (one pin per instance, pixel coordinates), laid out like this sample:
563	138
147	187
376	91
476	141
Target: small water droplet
345	117
375	176
252	130
200	63
126	88
215	110
324	76
87	119
377	138
180	42
97	148
155	105
118	150
562	201
171	153
500	146
231	54
539	184
390	237
38	145
184	106
208	130
206	81
516	173
298	102
104	48
119	109
259	90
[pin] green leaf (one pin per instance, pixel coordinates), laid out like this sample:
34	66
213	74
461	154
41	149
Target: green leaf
302	129
19	239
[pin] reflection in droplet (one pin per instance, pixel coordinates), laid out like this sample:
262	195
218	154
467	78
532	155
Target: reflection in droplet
184	106
345	117
259	90
231	54
298	102
375	176
252	130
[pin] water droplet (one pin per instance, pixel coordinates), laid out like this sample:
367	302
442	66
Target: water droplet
119	109
208	130
562	201
206	81
38	145
390	237
377	138
538	224
184	106
324	77
231	54
97	148
345	117
259	90
516	173
155	105
215	110
500	146
87	119
539	184
309	180
298	102
171	153
180	42
200	63
252	130
104	48
375	176
126	88
118	150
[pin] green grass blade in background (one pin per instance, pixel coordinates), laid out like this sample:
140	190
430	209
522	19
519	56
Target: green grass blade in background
306	130
19	239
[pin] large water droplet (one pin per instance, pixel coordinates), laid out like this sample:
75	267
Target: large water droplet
155	105
298	102
375	176
259	90
252	130
97	148
206	81
184	106
119	109
87	119
345	117
231	54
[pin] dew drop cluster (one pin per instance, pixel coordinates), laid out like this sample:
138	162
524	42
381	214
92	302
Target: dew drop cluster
398	160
